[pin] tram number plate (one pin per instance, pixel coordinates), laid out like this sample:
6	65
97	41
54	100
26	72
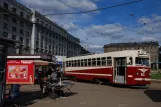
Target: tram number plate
142	74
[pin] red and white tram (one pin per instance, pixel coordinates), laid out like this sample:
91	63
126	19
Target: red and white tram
129	67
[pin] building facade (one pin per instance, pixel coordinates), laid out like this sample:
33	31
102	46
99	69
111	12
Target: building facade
15	23
151	47
84	51
36	33
160	57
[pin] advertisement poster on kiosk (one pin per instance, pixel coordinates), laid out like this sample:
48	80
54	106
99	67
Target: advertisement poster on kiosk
20	72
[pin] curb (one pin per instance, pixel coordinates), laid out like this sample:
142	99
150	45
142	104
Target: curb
156	80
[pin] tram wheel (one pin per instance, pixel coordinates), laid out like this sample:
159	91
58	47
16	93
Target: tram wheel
98	81
75	79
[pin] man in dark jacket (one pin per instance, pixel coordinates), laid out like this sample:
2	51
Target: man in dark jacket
54	77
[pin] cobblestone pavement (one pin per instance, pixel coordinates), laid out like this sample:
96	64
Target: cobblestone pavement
93	95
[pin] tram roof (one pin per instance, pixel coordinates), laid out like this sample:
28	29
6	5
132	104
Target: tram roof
124	53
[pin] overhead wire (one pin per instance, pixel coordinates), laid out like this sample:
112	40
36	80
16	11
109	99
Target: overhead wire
102	19
93	10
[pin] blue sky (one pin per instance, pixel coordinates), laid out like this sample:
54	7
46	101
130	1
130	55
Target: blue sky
106	26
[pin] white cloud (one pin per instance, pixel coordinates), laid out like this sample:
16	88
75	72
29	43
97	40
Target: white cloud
70	26
53	6
56	6
94	46
149	39
107	30
152	25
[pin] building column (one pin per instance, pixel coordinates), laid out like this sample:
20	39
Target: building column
33	35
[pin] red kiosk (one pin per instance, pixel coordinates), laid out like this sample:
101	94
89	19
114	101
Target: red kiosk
21	68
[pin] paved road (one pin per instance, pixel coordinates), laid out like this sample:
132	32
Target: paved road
92	95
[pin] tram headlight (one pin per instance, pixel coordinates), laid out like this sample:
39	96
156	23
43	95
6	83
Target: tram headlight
137	73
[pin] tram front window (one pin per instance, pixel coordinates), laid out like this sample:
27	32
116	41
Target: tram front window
142	61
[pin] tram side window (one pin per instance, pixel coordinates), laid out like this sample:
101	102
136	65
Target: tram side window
104	61
82	63
98	62
85	62
130	61
89	62
74	63
70	63
93	62
78	63
109	62
67	64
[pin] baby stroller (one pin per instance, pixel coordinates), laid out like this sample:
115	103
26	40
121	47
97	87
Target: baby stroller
51	92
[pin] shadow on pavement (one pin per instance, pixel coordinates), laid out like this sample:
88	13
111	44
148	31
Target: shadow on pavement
25	99
70	94
154	95
129	87
28	98
115	85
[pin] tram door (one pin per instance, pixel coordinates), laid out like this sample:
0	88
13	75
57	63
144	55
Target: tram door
120	70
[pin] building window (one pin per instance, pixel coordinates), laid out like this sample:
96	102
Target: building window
14	37
28	17
5	34
22	23
27	34
21	31
21	39
14	10
46	25
27	42
49	47
28	25
21	14
42	22
37	43
49	40
37	20
5	16
5	5
14	20
46	39
42	31
5	26
13	29
42	37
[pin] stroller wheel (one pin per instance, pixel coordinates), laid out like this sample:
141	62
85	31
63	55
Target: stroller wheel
53	95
